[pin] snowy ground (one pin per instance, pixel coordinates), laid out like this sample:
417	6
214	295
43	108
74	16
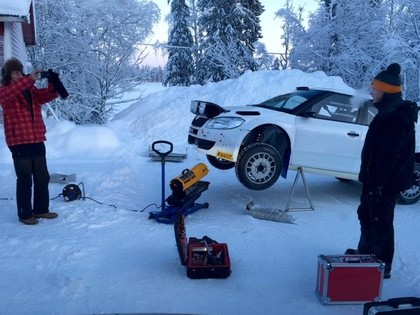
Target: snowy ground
110	258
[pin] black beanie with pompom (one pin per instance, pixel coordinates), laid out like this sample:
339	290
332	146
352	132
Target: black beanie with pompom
389	80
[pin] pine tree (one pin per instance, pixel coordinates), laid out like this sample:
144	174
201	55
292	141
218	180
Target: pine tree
250	28
179	69
228	31
193	26
212	25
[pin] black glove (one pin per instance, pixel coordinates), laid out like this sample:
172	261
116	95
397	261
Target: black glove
53	78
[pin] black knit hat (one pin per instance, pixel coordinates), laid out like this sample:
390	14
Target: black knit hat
389	80
9	66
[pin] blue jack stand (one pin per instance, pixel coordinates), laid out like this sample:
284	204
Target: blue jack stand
179	202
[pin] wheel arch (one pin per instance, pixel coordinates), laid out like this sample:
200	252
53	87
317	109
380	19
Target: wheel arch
267	133
275	136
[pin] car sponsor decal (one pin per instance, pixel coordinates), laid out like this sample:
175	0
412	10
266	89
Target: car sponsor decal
224	155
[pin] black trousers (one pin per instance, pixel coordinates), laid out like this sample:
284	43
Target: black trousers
32	172
377	225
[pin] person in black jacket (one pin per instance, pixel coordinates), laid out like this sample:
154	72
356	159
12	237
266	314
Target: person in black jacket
387	165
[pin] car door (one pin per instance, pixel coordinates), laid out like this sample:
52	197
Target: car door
328	137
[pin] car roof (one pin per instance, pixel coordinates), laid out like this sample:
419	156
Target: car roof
349	91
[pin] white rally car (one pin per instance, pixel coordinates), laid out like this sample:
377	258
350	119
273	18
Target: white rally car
319	131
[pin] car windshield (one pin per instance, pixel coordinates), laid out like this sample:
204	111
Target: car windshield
288	102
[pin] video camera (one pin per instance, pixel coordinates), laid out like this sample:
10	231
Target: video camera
53	78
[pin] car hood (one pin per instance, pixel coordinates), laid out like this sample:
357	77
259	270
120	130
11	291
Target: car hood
247	111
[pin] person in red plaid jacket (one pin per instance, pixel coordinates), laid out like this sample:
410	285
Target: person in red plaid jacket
25	131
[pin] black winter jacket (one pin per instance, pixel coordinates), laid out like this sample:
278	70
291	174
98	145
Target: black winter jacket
388	154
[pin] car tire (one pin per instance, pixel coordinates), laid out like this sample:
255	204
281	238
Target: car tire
220	163
258	166
411	195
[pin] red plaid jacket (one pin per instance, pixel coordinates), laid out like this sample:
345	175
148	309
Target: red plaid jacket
21	125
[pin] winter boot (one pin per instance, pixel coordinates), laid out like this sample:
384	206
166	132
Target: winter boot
351	251
46	215
29	221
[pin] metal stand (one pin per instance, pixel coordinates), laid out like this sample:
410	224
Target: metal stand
308	196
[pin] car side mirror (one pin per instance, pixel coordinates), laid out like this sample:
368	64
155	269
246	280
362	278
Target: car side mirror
309	114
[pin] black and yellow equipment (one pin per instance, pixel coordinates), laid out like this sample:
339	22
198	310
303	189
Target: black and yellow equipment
186	188
188	178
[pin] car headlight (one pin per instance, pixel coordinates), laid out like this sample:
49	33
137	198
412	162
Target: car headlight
225	123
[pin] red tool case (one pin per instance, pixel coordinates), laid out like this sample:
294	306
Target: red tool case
204	258
349	279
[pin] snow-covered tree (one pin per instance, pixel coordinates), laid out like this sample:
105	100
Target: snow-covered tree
94	45
212	23
249	28
344	39
292	30
225	50
193	25
180	67
402	43
262	58
276	64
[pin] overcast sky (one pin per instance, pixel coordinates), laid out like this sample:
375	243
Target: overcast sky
270	25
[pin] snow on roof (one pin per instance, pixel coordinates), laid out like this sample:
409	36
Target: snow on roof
15	8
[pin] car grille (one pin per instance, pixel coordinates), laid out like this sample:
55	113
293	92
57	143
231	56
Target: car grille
200	143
